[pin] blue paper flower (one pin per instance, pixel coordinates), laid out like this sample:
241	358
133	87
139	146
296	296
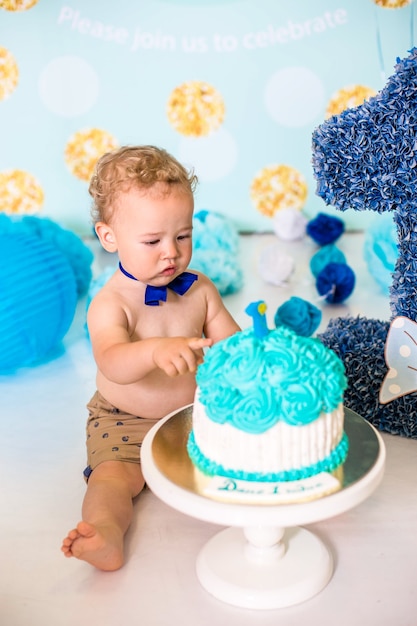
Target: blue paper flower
335	282
299	315
221	267
325	229
216	251
325	255
212	230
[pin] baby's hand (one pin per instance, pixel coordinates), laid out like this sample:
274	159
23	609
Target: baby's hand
180	355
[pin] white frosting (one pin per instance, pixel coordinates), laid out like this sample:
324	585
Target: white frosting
281	448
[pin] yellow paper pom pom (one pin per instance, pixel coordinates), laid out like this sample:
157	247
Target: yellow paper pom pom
195	109
9	73
278	187
17	5
20	192
347	98
84	149
392	4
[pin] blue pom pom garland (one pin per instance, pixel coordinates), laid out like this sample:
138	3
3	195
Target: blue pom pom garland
335	282
327	254
325	229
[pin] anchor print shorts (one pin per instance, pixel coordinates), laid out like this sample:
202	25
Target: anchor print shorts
113	435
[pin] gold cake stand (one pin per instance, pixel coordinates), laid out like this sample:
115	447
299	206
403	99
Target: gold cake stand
264	560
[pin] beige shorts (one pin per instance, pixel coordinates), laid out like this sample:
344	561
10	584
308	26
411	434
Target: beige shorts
113	435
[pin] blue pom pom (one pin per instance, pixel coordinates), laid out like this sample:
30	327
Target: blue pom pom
202	215
325	229
221	267
38	299
215	251
212	231
325	255
335	282
299	315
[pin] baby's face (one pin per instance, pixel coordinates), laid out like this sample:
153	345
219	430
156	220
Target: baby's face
153	232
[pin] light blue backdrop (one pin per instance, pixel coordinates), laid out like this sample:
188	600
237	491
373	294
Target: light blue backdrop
113	66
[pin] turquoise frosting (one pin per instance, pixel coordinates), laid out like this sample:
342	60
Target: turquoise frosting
253	382
328	464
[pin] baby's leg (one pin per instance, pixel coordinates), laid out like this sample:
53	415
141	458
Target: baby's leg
106	515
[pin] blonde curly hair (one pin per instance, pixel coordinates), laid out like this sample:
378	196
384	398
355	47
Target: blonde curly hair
142	166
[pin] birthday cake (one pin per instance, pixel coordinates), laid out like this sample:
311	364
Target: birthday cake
268	418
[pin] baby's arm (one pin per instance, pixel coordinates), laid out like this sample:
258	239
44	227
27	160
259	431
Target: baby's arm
123	360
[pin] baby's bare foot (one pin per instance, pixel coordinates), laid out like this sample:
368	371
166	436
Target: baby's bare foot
100	546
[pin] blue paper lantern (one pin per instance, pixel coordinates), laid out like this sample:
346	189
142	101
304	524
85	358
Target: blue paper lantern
38	299
70	245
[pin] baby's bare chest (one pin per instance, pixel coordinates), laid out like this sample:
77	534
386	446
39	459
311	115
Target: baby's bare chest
171	319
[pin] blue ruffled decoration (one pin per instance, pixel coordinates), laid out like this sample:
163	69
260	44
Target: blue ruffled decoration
212	231
380	250
360	343
325	255
221	267
299	315
366	159
216	251
325	229
335	282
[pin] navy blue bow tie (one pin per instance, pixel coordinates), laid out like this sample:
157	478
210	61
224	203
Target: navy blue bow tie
153	295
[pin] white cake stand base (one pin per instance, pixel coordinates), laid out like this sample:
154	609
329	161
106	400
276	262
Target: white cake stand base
265	560
233	569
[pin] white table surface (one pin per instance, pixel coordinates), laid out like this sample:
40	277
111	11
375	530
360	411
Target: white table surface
42	423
